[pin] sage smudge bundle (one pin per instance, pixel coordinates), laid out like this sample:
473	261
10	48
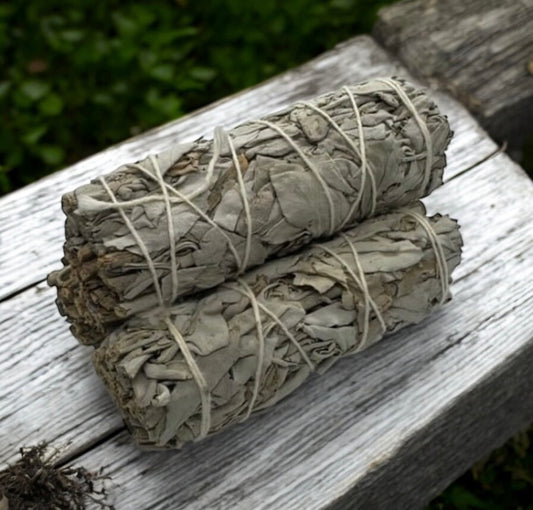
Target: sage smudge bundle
181	373
189	218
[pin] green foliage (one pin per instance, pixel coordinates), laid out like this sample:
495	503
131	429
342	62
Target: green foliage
80	75
503	481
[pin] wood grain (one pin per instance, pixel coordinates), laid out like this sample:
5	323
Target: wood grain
480	50
447	388
48	388
34	212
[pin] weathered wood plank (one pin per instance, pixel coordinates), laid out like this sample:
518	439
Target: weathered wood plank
479	50
35	211
48	388
454	437
352	427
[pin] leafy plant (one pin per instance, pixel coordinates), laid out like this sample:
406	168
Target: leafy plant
502	481
79	75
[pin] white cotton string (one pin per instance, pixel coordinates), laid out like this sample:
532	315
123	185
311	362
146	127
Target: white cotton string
261	347
366	294
311	167
191	363
363	286
170	226
361	154
245	203
138	240
192	205
284	328
199	378
421	124
219	133
217	144
440	257
364	161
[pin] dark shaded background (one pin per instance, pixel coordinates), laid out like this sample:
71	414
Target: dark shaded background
78	76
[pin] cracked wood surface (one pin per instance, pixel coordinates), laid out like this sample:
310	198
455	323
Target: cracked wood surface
441	394
480	50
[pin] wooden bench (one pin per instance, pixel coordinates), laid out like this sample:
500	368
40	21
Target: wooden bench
481	51
389	428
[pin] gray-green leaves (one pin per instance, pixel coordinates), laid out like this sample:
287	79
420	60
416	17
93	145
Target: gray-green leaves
312	309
